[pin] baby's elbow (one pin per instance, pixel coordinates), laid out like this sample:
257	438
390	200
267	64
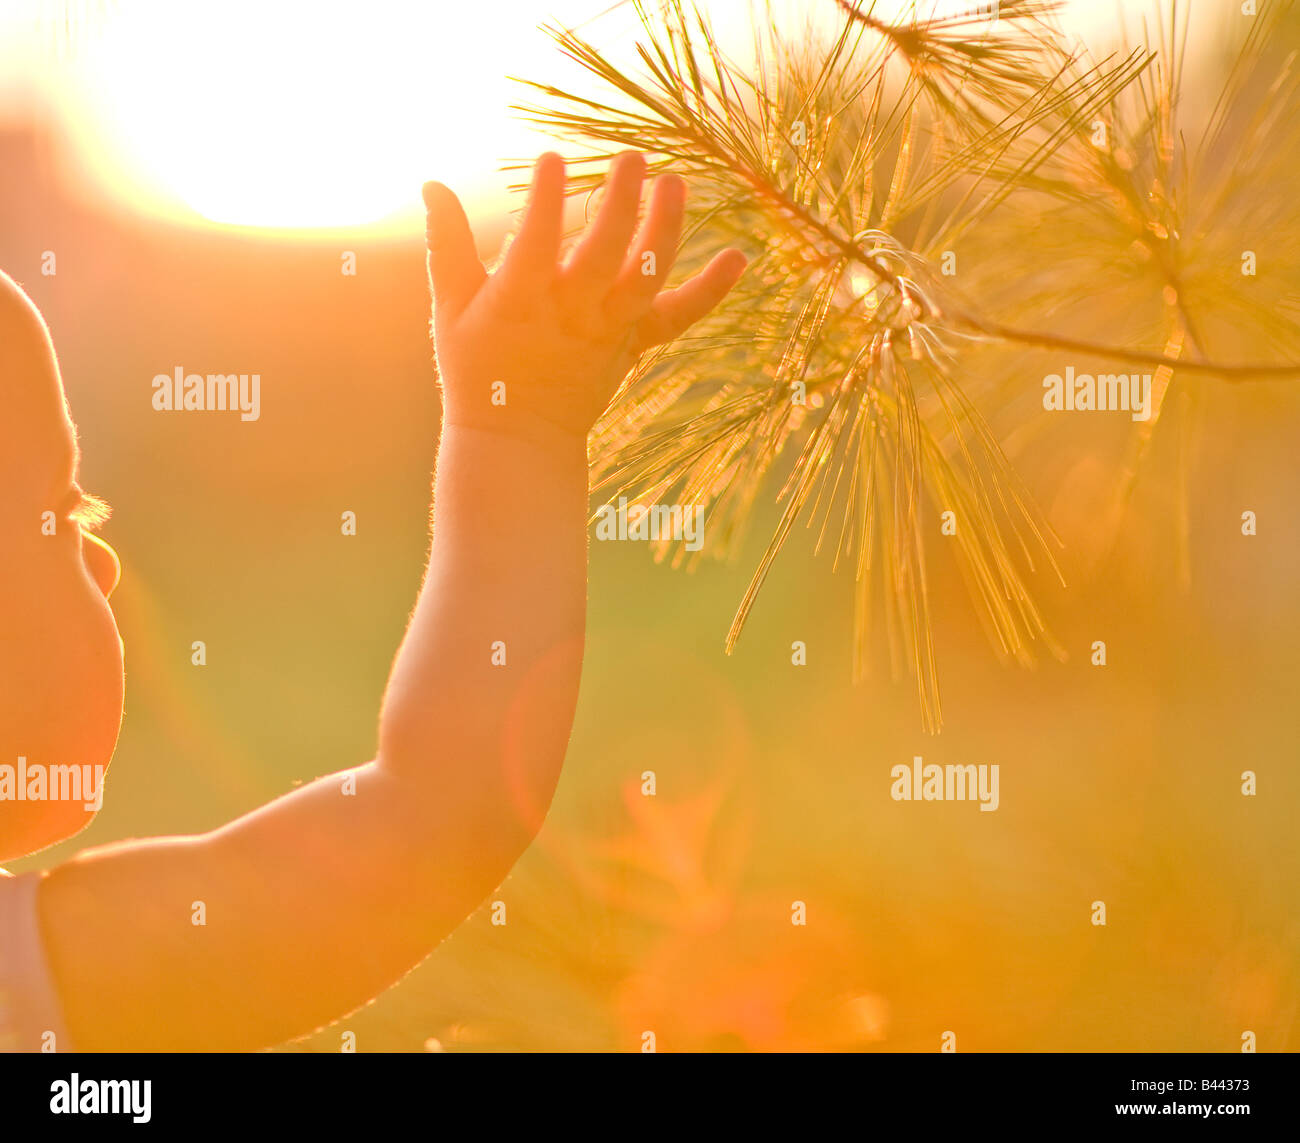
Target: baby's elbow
468	798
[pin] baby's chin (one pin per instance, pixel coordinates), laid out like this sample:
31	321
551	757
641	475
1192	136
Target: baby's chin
29	826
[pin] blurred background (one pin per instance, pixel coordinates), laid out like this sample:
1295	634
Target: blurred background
199	170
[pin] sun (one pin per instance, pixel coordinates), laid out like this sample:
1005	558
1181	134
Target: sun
301	115
295	115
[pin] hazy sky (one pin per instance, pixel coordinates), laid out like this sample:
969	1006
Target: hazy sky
298	114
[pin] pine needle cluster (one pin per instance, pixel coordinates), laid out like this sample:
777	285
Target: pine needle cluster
852	169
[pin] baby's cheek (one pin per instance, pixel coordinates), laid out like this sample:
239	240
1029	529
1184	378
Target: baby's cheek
97	707
55	750
37	822
61	692
61	685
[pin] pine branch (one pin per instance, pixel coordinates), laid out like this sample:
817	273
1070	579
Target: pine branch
841	170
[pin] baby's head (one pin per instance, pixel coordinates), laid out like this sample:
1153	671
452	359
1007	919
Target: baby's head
60	655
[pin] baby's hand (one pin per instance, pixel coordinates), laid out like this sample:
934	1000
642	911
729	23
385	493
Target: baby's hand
537	344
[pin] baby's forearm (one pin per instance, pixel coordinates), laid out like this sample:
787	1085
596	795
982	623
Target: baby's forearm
482	694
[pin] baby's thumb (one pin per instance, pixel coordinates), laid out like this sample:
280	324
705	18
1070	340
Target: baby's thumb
455	273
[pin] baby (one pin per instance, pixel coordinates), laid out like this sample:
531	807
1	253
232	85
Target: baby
299	912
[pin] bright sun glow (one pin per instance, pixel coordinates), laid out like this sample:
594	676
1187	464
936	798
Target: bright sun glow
297	115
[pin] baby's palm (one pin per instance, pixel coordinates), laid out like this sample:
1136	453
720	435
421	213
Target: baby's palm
538	340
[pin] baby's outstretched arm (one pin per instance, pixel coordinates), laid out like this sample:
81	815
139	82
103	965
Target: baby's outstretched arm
313	904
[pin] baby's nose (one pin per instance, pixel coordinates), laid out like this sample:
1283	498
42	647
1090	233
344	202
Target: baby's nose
103	563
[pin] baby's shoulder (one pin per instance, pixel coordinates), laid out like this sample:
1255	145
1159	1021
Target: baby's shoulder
30	1016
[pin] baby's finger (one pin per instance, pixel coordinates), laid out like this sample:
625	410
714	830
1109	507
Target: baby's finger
529	265
589	273
646	270
675	311
455	273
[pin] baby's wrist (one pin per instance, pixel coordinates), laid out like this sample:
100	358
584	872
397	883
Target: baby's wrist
516	427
